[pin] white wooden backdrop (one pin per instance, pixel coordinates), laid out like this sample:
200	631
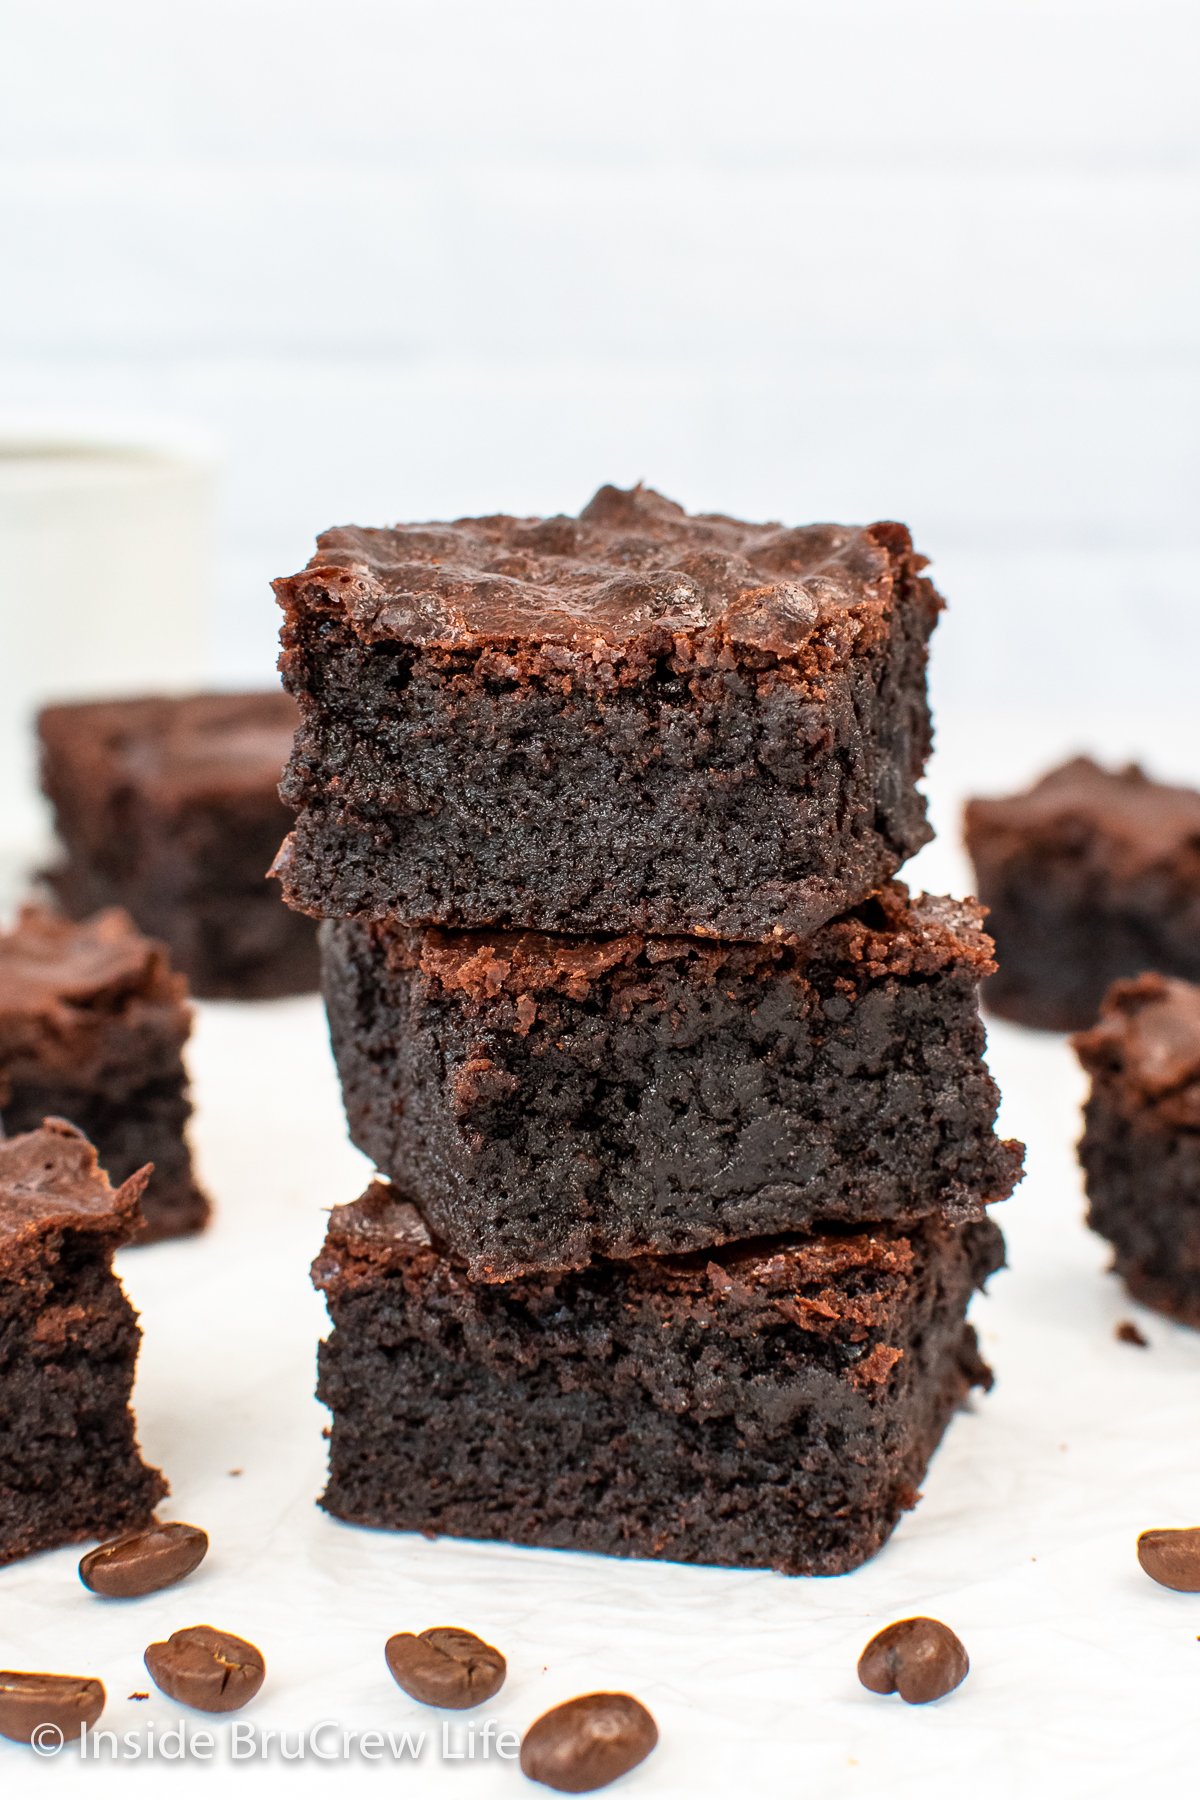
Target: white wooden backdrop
937	259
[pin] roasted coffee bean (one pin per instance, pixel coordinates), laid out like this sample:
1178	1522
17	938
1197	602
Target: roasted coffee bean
1172	1558
919	1659
445	1666
48	1710
208	1669
586	1743
141	1562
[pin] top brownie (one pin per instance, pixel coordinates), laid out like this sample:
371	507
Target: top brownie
1090	877
168	805
633	720
90	1006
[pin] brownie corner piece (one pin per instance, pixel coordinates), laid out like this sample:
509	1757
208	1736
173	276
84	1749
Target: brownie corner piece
546	1100
1090	876
766	1406
70	1468
1141	1143
633	720
168	805
93	1022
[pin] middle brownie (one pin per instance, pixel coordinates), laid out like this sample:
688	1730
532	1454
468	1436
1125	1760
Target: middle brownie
547	1100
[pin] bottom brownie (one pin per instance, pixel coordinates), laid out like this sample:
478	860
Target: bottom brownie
69	1462
770	1405
1141	1142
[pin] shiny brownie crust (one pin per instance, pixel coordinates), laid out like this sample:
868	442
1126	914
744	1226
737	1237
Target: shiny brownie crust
546	1100
637	720
774	1405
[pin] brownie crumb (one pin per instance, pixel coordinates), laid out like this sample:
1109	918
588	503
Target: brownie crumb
1128	1333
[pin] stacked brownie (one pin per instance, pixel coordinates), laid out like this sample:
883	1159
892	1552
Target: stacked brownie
93	1024
677	1096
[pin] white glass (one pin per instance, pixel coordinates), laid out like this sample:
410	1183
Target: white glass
106	582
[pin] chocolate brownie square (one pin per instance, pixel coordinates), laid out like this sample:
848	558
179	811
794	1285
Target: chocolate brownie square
635	720
1141	1141
170	808
771	1405
1092	875
93	1021
69	1462
545	1100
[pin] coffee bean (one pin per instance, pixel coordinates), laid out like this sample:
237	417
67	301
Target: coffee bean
48	1710
919	1659
142	1562
446	1666
208	1669
1172	1558
586	1743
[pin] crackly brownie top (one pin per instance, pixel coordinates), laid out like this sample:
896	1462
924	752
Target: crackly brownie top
890	935
1148	1039
185	746
849	1286
632	565
1121	814
50	1181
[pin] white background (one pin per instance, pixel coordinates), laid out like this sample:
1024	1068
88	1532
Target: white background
933	259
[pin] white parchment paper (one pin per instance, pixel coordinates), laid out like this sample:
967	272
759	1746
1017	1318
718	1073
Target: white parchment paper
1085	1677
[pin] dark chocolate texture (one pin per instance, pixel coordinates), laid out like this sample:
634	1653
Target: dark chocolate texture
1141	1142
169	807
545	1100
